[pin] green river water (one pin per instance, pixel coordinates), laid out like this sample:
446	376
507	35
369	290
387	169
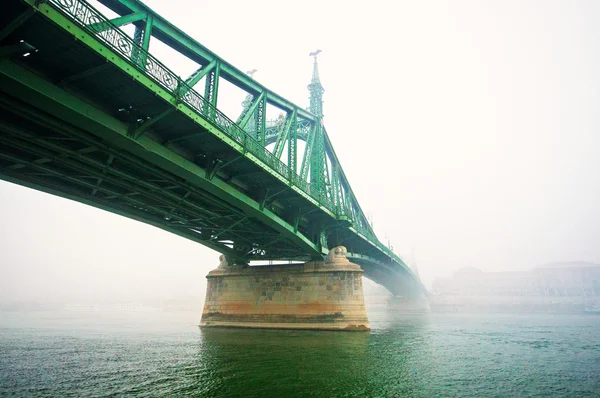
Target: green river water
156	353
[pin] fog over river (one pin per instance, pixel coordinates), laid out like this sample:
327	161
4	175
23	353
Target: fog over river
469	133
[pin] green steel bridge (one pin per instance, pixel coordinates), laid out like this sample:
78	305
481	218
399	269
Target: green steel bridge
87	113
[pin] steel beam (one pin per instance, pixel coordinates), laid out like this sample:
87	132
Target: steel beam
211	88
128	212
186	45
200	73
120	21
66	153
244	118
282	137
100	176
85	73
39	93
147	32
141	129
15	23
15	49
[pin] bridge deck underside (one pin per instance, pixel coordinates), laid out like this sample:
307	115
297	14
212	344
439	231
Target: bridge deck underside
42	147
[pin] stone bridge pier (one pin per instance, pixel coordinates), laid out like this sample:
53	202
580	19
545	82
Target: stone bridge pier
320	295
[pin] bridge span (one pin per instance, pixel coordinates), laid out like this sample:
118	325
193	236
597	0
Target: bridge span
87	113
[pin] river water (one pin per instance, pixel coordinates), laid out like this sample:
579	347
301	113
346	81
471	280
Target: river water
156	353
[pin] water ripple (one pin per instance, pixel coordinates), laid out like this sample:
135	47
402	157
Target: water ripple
436	355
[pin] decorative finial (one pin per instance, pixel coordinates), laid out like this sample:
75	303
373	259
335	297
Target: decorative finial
314	54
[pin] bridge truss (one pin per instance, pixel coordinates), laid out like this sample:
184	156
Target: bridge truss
87	113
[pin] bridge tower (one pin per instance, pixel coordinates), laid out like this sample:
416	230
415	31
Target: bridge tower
316	295
317	157
316	88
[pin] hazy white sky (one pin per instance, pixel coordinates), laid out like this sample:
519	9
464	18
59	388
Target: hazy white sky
468	130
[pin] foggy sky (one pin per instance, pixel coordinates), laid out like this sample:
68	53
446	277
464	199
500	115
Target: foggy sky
468	131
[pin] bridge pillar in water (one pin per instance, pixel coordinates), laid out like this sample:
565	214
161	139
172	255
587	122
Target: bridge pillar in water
322	295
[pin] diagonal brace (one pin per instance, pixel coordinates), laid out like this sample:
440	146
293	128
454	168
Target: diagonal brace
15	23
269	197
100	179
282	137
307	152
120	21
14	49
200	73
86	73
230	227
141	129
251	110
220	165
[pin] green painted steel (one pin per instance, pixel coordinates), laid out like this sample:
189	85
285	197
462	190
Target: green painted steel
153	149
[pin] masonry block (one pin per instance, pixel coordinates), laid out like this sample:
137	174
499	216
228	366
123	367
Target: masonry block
322	295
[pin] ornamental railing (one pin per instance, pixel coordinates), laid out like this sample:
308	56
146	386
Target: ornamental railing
94	22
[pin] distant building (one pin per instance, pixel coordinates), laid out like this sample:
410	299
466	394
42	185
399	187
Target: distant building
568	279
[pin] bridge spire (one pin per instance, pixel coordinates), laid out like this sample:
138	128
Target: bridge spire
316	89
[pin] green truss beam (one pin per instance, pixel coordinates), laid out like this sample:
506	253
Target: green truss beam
200	73
15	23
120	21
34	90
